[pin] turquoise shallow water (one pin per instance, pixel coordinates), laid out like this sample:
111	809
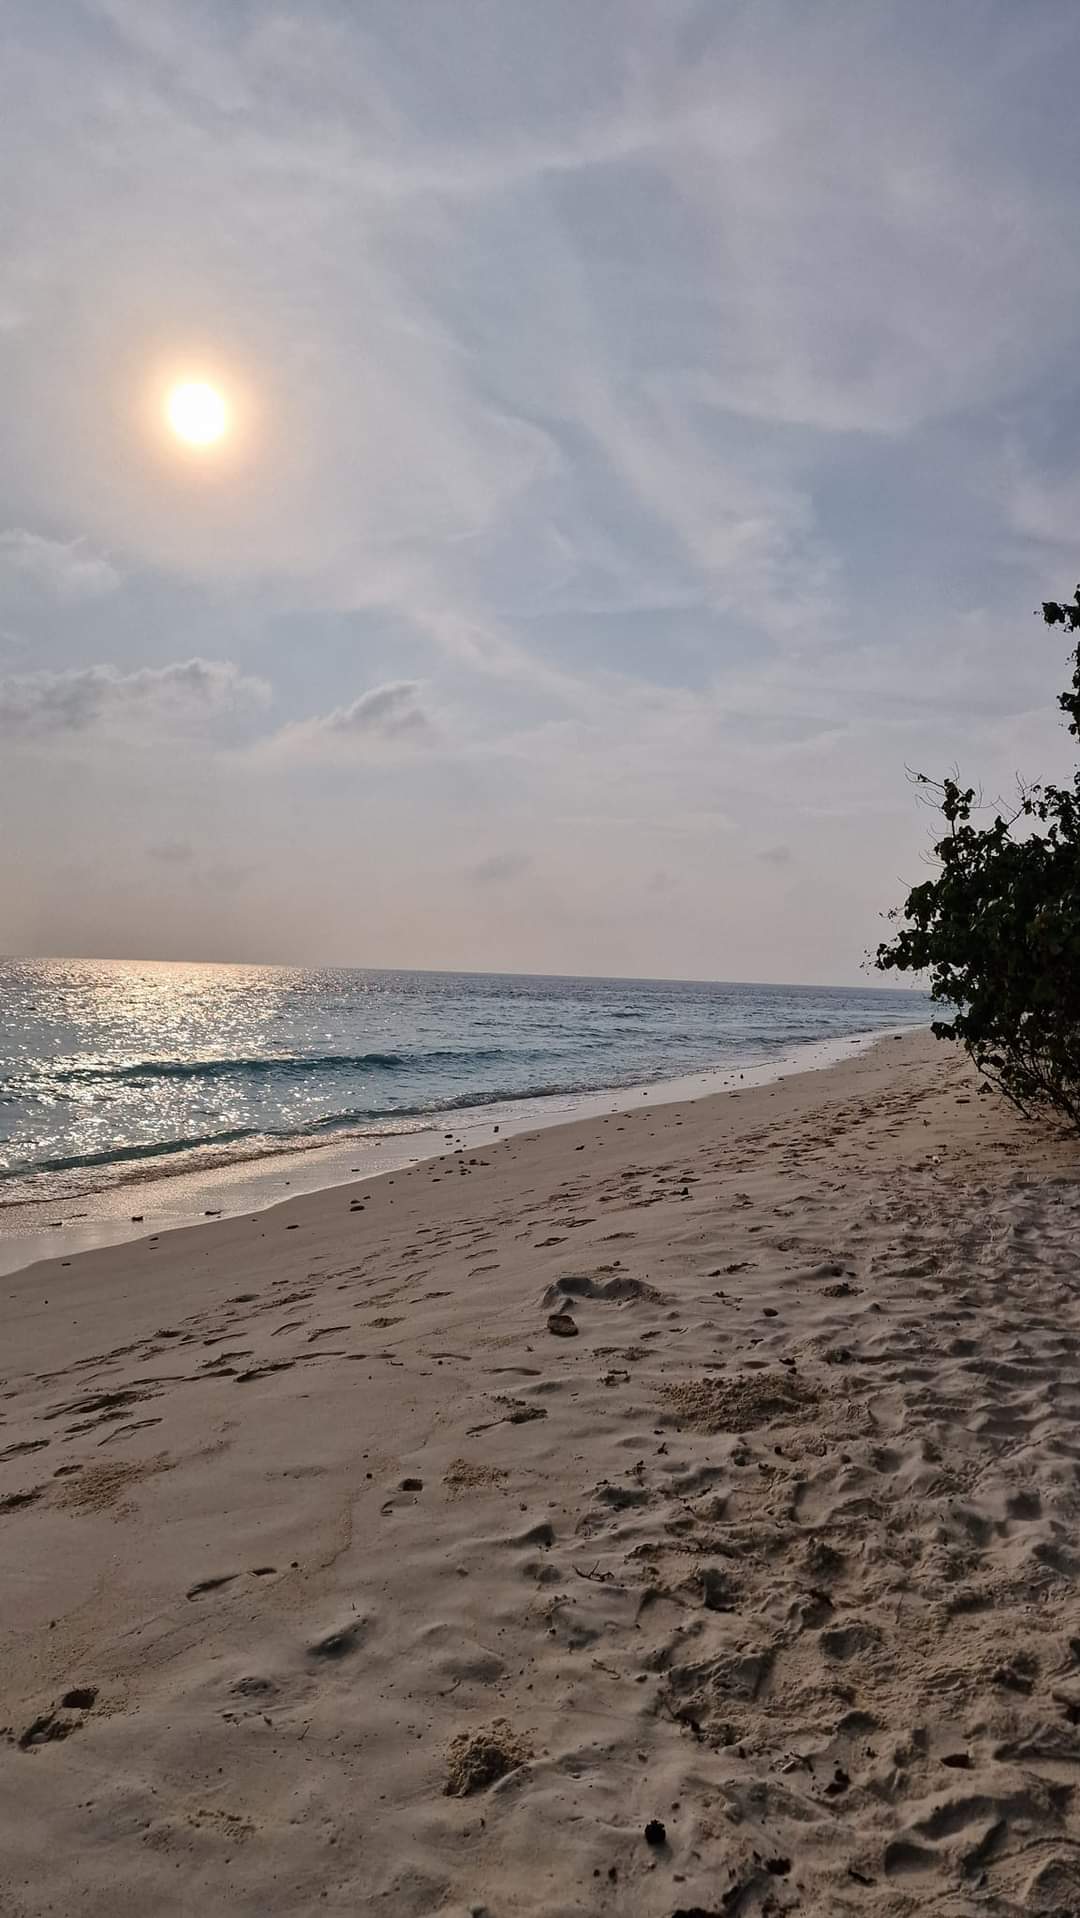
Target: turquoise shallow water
113	1070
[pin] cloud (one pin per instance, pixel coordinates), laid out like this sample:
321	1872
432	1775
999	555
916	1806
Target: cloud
191	869
68	570
172	852
1045	508
384	720
100	698
392	711
500	868
683	393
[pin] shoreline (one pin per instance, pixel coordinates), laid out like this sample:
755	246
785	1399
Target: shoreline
137	1207
412	1548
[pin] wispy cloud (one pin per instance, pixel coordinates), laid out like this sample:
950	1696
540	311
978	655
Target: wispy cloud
392	711
172	852
67	569
666	412
385	720
177	696
500	868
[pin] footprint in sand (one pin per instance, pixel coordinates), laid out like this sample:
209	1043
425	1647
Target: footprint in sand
49	1727
620	1290
261	1371
17	1501
211	1584
341	1643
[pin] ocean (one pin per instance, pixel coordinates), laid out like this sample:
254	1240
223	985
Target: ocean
114	1072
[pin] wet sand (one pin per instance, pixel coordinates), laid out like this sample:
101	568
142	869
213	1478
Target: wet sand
156	1198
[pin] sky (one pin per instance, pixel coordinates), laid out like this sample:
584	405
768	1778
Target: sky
652	428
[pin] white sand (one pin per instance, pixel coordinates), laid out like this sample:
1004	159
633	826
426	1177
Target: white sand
780	1550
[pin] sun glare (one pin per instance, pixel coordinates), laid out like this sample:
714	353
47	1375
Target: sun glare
197	413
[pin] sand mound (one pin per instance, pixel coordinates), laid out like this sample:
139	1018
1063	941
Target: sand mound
738	1405
462	1475
480	1758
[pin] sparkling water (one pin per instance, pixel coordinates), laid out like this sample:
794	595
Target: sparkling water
113	1070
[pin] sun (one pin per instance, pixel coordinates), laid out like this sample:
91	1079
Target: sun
197	413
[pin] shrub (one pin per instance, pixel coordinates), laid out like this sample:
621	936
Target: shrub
997	929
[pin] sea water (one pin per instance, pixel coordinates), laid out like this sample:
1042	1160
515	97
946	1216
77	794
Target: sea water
114	1072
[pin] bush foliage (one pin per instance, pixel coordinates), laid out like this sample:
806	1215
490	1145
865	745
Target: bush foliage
997	929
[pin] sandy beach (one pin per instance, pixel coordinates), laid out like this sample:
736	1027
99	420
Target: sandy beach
670	1513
